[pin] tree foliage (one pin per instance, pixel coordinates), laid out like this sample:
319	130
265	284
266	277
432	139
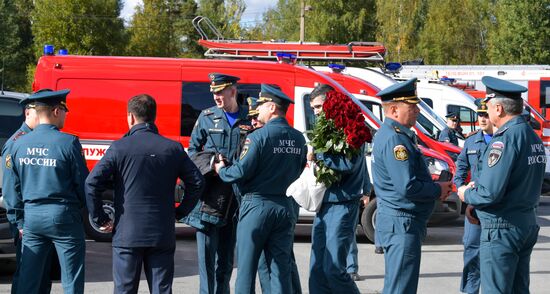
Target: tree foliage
15	43
520	32
341	21
86	27
225	15
399	26
163	28
454	32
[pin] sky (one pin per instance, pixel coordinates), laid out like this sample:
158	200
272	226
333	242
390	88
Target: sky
254	9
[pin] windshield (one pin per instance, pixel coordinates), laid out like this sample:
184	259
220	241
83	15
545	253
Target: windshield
432	113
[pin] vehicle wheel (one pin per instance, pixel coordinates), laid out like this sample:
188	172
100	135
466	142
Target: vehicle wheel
92	229
368	219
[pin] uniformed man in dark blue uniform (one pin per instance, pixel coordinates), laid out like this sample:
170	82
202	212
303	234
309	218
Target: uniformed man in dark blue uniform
449	133
507	192
49	172
263	267
273	157
9	194
404	188
220	129
145	167
469	161
334	225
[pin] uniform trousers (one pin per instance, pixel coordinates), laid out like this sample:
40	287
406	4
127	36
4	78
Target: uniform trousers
401	237
332	235
470	273
157	262
504	255
263	267
60	225
216	251
46	282
352	261
265	224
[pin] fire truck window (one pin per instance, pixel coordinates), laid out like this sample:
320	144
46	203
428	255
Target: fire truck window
545	93
197	97
375	108
428	101
11	117
308	114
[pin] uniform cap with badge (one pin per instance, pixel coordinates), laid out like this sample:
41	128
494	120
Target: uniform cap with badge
271	94
481	106
220	81
400	92
452	116
497	88
252	106
47	97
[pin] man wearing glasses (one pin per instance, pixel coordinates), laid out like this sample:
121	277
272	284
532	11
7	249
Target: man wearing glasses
469	160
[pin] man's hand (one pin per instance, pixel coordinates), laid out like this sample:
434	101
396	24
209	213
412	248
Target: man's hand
21	234
218	165
446	188
310	156
107	227
470	215
462	190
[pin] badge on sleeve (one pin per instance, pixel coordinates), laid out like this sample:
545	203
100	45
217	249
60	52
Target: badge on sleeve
400	153
495	153
8	161
245	148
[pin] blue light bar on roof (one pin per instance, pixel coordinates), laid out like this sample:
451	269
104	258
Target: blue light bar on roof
393	66
63	52
49	50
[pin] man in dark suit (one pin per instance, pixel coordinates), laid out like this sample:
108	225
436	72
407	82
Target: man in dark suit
145	167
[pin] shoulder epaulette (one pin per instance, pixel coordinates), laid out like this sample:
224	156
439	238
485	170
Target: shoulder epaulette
472	133
208	111
397	130
19	135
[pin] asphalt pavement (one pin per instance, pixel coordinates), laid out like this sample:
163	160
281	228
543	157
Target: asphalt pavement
440	271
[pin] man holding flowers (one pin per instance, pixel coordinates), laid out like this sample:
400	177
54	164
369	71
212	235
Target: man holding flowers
404	188
338	140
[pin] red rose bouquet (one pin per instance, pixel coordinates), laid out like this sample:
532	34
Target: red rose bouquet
339	130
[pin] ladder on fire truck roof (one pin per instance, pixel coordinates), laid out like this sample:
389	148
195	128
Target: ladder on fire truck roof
219	47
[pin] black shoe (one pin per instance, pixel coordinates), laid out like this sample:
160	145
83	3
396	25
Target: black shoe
378	250
355	276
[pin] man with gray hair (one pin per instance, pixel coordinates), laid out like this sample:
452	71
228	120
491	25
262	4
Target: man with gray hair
507	192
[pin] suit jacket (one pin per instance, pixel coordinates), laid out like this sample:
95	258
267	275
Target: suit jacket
145	167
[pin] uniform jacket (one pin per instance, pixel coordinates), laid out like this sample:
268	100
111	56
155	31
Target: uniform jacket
448	135
145	167
212	132
508	188
469	159
8	188
48	168
273	157
402	182
354	176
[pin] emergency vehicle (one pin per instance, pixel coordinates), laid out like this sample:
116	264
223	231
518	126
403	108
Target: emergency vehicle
101	86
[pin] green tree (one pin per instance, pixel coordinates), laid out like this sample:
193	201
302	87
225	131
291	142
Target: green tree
15	43
281	22
83	27
341	21
520	32
454	32
399	23
225	15
163	28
